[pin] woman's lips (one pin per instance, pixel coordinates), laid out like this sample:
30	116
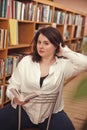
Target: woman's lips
41	51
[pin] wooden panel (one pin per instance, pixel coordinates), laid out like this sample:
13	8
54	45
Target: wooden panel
3	54
3	23
25	32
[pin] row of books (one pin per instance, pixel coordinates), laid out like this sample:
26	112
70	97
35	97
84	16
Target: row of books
59	17
12	61
44	13
62	17
76	45
75	19
3	38
26	11
17	10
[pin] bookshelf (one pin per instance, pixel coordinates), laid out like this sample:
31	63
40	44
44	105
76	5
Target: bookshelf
28	16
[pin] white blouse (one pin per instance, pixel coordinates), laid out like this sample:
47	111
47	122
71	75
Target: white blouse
27	79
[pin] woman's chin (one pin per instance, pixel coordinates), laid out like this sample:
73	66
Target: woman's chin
41	54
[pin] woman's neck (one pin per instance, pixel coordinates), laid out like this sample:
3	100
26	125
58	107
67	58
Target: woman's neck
48	60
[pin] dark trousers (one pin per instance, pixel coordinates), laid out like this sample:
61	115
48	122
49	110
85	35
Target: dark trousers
9	120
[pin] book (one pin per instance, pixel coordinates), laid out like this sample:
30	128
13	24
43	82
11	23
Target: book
9	65
2	63
9	9
22	96
1	8
15	61
1	38
13	31
46	13
19	5
5	38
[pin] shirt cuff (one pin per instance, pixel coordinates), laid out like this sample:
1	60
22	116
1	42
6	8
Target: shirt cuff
14	105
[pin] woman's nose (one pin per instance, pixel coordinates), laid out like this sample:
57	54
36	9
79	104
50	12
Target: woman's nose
41	45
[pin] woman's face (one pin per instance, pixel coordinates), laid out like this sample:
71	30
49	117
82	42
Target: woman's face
44	47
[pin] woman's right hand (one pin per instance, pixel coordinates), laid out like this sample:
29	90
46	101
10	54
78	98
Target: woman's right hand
17	101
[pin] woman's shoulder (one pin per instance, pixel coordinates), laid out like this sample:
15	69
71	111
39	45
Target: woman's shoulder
27	57
26	60
62	62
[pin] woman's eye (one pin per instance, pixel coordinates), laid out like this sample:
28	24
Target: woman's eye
46	43
38	42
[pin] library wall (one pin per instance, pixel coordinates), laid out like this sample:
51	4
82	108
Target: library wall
80	5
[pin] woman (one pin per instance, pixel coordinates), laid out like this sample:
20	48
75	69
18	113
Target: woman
42	72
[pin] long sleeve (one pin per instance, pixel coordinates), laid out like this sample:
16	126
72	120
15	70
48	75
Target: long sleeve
77	62
14	82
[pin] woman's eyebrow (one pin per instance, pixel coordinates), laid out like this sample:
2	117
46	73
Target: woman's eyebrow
43	41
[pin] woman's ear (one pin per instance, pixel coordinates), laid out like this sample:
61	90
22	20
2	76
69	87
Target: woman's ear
59	52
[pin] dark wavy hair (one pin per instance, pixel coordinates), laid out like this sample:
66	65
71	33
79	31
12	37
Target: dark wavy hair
53	35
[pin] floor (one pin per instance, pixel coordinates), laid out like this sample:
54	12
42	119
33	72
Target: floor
76	109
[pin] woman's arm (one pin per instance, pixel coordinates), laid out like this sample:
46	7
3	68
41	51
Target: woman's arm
15	82
77	62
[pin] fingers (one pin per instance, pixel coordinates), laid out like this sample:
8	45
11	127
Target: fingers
21	103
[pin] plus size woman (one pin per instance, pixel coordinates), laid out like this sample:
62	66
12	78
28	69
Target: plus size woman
43	72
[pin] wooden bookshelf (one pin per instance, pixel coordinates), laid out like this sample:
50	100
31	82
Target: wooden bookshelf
70	23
